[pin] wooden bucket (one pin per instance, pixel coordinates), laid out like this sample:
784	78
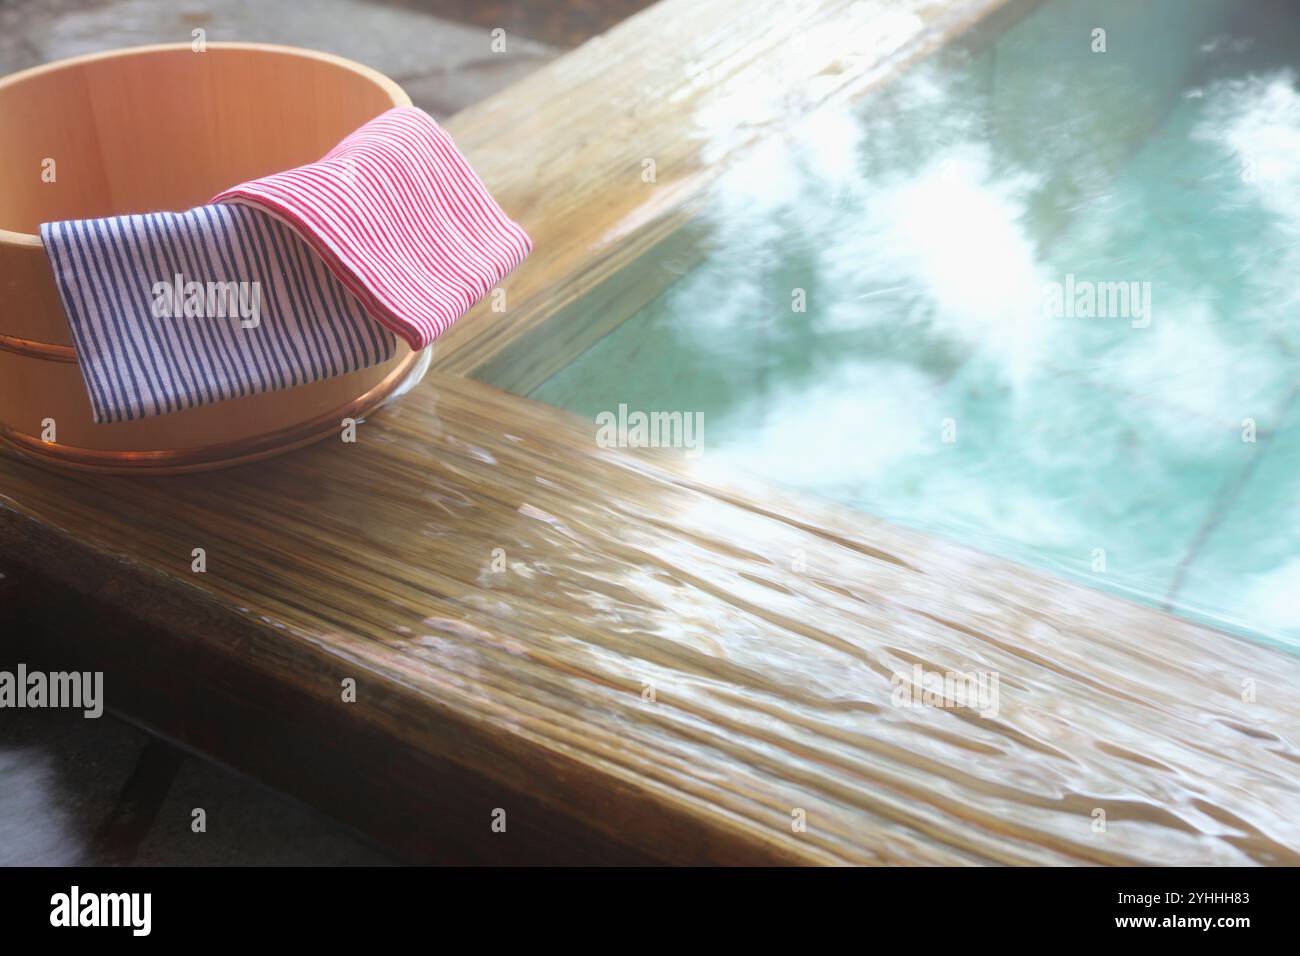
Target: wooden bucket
162	128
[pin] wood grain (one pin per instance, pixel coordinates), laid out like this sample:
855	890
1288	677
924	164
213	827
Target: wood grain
772	686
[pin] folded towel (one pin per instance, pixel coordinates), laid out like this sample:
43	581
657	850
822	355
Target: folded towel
151	340
402	220
284	280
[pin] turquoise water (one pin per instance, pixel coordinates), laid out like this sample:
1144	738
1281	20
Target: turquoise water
931	378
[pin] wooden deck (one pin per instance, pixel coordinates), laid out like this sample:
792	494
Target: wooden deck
633	663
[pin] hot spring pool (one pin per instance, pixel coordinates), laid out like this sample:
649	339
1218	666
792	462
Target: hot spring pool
891	308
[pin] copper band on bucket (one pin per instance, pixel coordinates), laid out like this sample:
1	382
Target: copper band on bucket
225	454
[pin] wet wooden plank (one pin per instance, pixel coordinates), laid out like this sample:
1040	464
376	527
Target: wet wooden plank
506	593
189	672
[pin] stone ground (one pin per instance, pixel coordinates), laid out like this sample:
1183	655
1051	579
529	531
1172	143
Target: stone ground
443	64
103	792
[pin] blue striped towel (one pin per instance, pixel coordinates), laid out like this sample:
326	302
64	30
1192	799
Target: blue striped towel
233	302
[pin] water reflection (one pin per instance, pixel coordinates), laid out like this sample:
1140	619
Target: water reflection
867	321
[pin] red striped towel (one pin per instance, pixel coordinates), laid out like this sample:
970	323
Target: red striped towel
250	292
399	217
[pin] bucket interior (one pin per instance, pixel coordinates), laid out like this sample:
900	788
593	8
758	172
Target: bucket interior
166	129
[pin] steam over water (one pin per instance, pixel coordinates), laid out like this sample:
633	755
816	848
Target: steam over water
1143	438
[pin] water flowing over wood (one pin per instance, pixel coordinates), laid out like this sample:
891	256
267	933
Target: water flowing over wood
509	597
